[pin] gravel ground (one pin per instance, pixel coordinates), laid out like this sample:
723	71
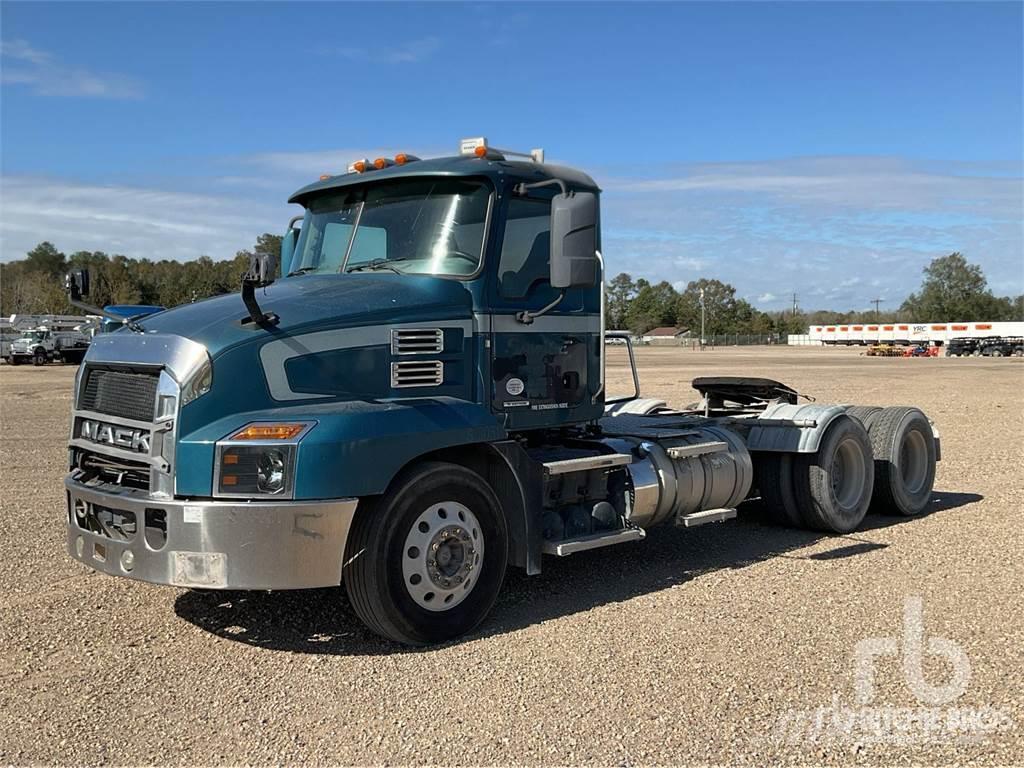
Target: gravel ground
686	648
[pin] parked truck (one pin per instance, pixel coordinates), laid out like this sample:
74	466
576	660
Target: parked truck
420	403
42	345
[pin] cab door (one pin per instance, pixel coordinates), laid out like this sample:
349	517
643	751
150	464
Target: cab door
543	373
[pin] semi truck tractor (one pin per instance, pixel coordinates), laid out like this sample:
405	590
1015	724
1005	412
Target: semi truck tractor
419	404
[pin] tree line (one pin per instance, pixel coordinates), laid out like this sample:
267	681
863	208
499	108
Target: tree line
952	289
35	284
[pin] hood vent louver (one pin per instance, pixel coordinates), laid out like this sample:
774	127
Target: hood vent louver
417	341
429	373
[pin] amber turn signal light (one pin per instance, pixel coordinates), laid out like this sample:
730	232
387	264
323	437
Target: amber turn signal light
268	432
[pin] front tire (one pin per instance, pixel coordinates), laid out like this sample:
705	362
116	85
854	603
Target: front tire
425	562
39	358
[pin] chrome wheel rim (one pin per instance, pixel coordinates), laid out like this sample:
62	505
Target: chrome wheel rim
847	474
442	556
913	461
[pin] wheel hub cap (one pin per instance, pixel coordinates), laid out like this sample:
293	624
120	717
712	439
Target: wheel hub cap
442	556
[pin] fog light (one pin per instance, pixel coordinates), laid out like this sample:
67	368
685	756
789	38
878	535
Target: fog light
79	546
270	472
127	560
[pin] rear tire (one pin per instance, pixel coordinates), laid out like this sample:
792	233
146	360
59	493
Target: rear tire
904	449
833	486
425	562
865	414
775	480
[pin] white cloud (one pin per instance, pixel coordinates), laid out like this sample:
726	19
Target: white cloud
47	75
839	231
137	222
409	52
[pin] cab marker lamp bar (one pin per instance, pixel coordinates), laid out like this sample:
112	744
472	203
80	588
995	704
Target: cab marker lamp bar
259	460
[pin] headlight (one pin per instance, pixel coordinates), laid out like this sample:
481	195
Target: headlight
259	460
198	384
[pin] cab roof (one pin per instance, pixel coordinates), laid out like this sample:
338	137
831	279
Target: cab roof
496	170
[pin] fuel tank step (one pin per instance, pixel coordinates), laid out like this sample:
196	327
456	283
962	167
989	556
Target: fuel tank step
698	449
593	541
706	516
583	463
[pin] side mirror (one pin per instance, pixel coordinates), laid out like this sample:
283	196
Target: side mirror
76	283
574	240
262	269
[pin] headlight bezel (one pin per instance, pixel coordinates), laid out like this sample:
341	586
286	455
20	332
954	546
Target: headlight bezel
247	454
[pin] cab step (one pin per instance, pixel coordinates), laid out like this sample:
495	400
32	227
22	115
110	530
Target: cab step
706	516
593	541
584	463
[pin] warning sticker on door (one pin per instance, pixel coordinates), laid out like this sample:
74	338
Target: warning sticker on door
514	386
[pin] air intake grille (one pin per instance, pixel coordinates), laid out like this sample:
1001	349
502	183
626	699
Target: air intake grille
417	341
119	393
426	374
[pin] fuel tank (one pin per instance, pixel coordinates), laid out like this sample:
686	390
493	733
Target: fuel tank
706	467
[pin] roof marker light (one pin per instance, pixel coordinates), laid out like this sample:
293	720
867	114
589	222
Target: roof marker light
404	157
358	166
381	162
324	176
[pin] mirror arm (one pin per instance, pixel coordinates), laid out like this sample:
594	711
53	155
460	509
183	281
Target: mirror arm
75	300
526	316
522	188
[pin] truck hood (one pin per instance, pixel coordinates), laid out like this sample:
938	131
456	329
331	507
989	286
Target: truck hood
316	303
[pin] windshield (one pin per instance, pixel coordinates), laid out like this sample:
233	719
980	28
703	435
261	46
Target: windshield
35	335
419	226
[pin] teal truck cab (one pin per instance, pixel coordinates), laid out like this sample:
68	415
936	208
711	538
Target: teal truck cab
419	403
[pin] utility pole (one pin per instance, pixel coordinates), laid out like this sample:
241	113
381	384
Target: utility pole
877	302
702	319
796	306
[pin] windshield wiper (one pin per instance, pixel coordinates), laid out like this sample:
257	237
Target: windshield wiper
301	271
382	263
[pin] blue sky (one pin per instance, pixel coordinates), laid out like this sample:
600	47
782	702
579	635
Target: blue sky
832	149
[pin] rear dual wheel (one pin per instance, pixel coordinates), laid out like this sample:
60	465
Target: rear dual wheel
424	562
905	455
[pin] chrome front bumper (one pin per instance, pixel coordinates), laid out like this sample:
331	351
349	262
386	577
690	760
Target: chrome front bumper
211	544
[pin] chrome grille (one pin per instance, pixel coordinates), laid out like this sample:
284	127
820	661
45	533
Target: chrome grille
128	395
417	341
429	373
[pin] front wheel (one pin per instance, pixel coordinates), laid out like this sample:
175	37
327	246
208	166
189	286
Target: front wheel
39	358
425	562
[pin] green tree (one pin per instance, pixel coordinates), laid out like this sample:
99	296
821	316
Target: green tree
653	306
953	289
619	294
45	258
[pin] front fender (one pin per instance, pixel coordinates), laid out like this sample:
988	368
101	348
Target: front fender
356	447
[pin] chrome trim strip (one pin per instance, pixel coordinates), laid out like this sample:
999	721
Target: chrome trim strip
120	453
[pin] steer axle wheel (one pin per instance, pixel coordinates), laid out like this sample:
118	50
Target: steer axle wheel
424	562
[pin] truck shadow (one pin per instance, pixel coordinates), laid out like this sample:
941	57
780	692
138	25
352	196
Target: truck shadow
321	621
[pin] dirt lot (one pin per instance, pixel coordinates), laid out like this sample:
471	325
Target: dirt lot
690	647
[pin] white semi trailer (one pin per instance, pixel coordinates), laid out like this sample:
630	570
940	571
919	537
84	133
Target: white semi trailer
940	333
